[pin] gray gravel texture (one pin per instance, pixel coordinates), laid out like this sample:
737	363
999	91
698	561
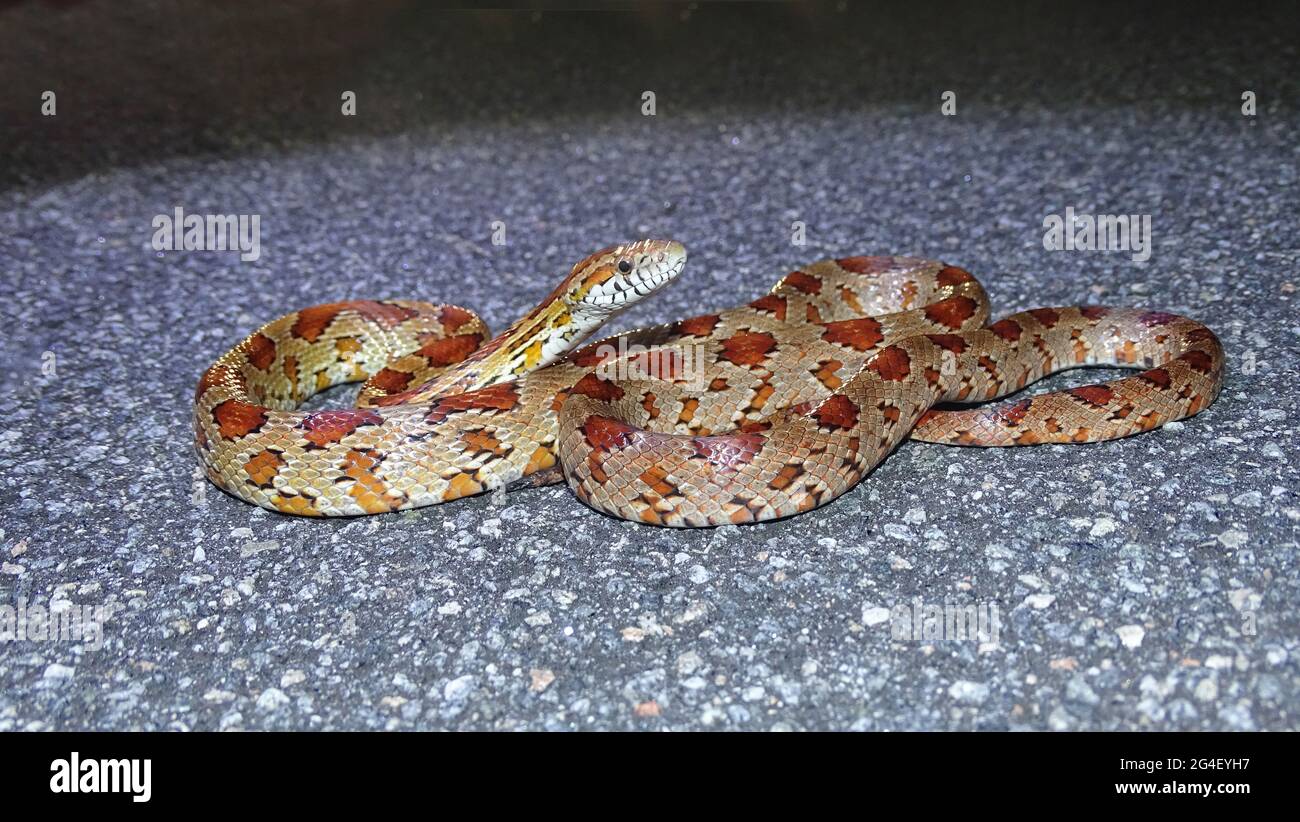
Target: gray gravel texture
1146	583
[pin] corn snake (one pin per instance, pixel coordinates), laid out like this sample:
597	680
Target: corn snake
790	400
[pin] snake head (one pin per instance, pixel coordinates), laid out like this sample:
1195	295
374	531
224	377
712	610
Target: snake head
614	278
596	289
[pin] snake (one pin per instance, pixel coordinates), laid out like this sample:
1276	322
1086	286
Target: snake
756	413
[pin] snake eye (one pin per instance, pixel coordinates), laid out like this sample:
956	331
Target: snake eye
624	266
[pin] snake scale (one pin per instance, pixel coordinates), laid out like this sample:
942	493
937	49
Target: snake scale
763	411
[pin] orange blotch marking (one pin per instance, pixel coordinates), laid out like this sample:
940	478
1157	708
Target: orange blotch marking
461	485
312	322
718	384
593	355
862	334
952	312
649	516
951	275
661	364
453	317
701	326
826	374
689	405
761	396
237	419
748	348
951	342
1014	414
1098	395
598	277
449	350
740	516
1008	330
390	381
1094	312
482	441
789	473
593	386
328	427
606	433
290	368
656	477
804	282
838	411
261	351
541	459
1047	316
499	397
891	364
263	467
1199	361
370	492
772	304
295	504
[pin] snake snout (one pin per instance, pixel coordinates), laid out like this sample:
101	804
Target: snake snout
658	261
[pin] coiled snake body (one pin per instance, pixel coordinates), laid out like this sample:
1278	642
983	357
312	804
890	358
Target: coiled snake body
763	411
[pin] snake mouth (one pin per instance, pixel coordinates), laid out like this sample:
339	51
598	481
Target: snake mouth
659	263
644	267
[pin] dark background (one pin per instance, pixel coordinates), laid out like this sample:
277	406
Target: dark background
146	80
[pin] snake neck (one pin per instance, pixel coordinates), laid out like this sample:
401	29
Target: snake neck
597	288
540	338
